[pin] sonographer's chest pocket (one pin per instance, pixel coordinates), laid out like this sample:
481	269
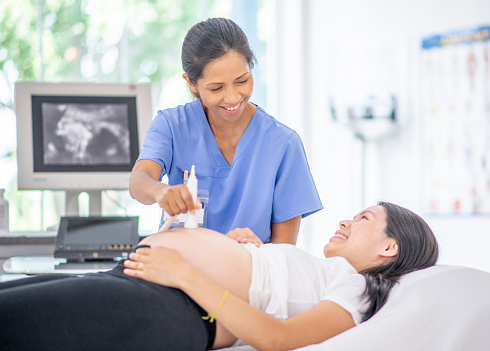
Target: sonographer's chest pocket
204	173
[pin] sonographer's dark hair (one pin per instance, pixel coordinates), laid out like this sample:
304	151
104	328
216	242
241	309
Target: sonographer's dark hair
417	249
209	40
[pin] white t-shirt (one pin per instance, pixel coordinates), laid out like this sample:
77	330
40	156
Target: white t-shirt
297	281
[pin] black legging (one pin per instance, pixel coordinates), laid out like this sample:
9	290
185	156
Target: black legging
99	311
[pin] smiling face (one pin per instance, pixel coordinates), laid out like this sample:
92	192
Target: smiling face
225	88
363	241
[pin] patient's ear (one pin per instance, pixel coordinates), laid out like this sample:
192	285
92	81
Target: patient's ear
390	248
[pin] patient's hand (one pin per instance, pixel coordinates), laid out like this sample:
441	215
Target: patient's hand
158	265
244	235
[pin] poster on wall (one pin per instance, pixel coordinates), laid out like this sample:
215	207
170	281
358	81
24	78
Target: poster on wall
455	108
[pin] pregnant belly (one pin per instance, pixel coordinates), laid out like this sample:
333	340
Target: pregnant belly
214	254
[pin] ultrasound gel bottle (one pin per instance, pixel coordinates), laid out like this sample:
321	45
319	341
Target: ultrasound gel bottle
4	213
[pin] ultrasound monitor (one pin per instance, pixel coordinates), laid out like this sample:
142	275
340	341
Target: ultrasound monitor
79	137
96	238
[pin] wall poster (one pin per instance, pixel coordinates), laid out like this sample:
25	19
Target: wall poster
455	110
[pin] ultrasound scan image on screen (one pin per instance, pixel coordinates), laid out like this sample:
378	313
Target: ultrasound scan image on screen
85	134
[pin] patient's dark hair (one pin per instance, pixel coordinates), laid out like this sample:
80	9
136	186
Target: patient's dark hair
209	40
417	249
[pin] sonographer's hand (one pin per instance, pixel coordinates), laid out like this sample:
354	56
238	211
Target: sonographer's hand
244	235
176	199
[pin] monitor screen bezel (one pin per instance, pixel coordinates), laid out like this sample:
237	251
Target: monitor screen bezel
75	177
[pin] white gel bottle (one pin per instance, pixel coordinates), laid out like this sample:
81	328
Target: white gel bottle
191	221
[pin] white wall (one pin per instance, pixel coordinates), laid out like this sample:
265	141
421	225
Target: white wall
357	48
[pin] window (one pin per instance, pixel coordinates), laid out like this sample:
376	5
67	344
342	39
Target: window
90	40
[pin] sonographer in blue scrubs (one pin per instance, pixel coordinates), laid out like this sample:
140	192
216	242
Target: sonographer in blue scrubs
253	167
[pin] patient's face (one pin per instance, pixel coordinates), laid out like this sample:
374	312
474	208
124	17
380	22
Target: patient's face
361	240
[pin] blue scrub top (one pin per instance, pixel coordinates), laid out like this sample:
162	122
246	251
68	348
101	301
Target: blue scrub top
268	181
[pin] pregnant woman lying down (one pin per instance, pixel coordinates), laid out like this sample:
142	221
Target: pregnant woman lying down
196	289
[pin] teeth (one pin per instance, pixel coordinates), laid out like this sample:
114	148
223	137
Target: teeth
232	108
342	236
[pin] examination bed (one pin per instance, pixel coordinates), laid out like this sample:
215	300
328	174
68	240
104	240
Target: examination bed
439	308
